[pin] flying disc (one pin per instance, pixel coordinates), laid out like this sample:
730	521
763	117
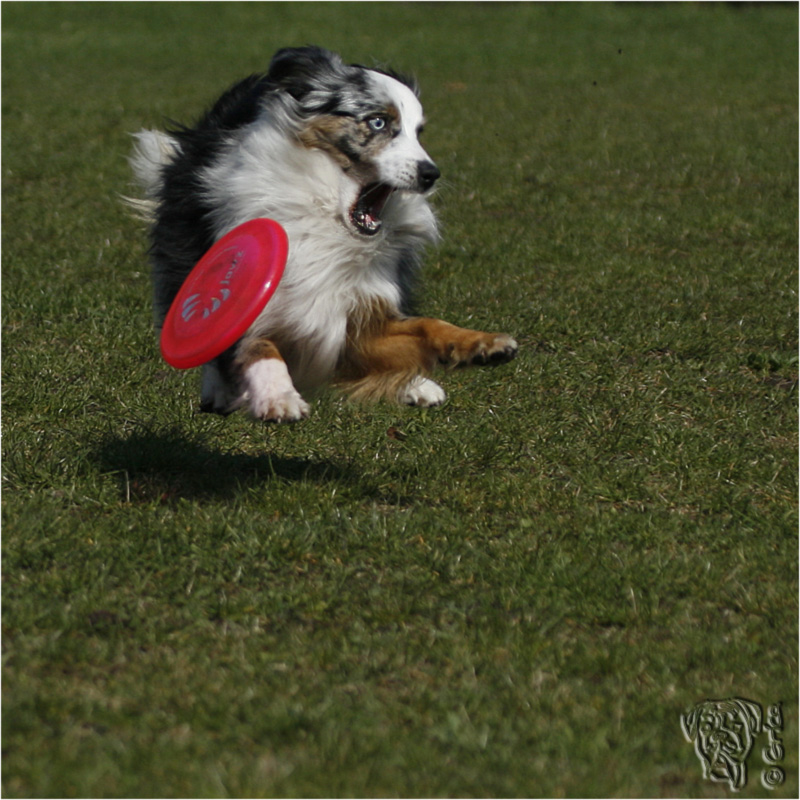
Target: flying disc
224	293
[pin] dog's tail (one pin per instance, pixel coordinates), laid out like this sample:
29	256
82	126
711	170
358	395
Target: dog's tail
152	151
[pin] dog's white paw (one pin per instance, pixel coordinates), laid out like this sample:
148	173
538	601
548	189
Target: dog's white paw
422	392
271	394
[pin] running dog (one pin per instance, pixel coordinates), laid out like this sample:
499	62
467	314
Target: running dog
330	151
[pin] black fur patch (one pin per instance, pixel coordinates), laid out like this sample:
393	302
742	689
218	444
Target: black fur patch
183	231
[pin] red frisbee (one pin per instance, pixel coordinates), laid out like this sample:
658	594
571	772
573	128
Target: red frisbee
224	293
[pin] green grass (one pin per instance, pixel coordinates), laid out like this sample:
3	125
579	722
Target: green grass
516	594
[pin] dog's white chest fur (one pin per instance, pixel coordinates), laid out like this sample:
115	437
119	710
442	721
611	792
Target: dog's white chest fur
330	271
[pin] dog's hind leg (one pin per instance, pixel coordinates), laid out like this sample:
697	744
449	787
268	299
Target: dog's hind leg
266	384
421	391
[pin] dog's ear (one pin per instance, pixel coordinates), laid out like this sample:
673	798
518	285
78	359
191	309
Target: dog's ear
751	713
689	724
298	70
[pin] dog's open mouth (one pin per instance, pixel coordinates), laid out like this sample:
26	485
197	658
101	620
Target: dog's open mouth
366	211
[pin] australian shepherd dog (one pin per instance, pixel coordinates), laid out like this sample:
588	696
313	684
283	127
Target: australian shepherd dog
330	151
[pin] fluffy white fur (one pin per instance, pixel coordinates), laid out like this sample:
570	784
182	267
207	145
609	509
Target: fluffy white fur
271	393
331	270
421	392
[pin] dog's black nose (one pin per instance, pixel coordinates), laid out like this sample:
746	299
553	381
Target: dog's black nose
428	174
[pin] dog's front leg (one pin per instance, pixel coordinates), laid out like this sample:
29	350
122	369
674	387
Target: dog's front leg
266	384
394	358
453	346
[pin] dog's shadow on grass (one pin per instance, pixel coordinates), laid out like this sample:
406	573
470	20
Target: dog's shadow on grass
166	466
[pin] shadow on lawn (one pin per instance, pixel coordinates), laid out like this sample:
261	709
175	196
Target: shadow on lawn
165	466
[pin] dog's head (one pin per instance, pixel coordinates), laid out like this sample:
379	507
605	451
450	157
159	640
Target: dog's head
366	120
723	732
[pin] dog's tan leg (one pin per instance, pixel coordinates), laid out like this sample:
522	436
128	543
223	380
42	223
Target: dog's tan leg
454	346
268	388
391	358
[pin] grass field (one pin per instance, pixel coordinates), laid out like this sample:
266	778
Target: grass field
516	594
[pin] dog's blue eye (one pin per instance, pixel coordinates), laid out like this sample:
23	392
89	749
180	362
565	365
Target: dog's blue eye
376	123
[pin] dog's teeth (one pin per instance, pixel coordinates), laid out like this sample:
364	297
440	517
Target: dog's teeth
367	221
